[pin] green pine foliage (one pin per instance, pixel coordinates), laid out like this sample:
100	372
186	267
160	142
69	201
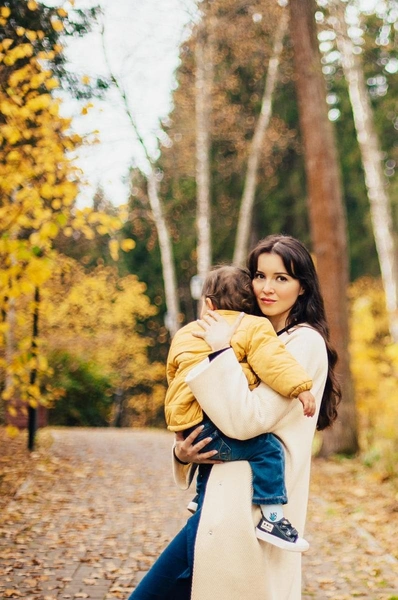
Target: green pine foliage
86	401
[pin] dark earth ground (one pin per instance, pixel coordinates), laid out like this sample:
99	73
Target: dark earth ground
87	513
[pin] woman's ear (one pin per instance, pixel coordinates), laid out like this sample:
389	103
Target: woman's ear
302	291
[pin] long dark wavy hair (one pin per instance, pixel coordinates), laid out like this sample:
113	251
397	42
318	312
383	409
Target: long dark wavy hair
308	308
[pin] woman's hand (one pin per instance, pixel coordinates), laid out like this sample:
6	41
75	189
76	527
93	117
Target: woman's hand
217	332
188	452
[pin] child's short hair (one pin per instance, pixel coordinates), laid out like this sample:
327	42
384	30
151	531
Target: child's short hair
230	288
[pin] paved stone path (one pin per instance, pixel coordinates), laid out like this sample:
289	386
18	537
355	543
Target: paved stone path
91	525
91	530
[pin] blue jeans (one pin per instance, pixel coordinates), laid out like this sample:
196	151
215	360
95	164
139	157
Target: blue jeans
264	453
170	577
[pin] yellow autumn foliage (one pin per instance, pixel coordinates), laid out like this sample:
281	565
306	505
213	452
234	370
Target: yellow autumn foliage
38	188
57	25
374	364
127	244
96	316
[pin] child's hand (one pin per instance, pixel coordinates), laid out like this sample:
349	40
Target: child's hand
308	402
216	331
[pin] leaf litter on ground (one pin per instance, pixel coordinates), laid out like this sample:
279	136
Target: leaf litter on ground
71	502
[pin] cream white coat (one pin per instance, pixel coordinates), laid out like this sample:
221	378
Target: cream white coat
230	563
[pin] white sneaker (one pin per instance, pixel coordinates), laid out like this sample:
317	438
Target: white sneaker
281	534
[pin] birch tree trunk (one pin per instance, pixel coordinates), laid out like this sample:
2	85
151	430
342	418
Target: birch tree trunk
172	321
166	253
204	79
380	207
249	190
326	211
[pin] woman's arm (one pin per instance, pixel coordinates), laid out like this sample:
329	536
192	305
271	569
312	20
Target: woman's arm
222	389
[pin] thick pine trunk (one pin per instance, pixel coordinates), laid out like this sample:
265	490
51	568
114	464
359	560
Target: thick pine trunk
249	191
326	210
380	207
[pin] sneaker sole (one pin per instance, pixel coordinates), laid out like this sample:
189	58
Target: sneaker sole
275	541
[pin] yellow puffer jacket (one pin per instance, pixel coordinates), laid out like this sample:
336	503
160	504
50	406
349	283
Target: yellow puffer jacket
260	352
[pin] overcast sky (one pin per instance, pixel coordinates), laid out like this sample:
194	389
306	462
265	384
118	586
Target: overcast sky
142	38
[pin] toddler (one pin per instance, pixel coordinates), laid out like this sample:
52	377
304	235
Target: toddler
263	357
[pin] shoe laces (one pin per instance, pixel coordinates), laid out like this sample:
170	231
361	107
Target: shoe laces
288	529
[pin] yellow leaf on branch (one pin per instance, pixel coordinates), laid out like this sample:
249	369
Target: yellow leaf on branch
49	230
52	84
114	249
6	43
31	35
34	391
102	230
57	25
127	244
38	271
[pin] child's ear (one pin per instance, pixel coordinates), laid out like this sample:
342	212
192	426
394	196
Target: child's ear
209	304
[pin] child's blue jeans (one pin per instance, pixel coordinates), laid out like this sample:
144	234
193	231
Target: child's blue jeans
264	453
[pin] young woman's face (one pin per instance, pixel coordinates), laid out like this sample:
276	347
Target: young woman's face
275	290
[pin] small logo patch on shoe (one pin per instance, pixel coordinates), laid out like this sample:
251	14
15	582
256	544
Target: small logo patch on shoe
273	516
267	526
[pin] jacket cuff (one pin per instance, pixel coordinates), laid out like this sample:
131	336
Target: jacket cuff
304	387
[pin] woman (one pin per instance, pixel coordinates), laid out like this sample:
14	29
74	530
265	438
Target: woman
229	562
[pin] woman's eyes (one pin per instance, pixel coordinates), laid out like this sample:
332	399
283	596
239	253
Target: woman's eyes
278	278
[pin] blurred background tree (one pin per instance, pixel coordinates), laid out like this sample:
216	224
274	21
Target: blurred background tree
238	59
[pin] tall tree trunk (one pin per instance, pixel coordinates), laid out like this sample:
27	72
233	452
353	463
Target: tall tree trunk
380	207
249	190
32	409
204	80
172	320
326	210
166	253
10	343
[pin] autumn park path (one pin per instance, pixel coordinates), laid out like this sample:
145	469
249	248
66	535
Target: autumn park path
100	504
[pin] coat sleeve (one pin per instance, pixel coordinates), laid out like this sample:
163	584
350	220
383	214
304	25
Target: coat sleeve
182	474
222	390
